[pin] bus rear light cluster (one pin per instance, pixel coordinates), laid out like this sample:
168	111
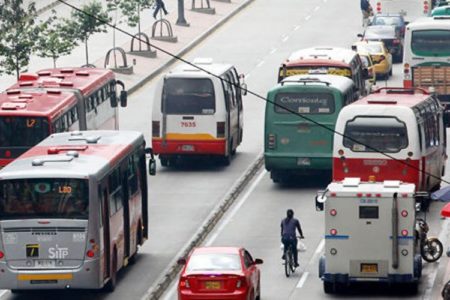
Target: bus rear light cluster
341	152
94	247
90	253
404	213
272	141
378	7
333	231
2	254
333	212
220	129
404	232
155	129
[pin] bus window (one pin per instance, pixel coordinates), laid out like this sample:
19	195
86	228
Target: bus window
385	134
132	175
22	131
304	103
116	191
187	96
44	198
431	42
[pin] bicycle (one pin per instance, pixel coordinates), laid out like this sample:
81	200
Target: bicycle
430	247
289	264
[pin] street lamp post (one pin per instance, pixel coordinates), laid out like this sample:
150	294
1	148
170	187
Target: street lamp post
181	21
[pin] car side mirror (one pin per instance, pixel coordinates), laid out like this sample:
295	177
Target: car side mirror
258	261
113	99
123	98
321	198
181	261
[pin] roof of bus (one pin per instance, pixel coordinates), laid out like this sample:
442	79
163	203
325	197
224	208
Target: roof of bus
341	83
191	71
441	22
84	79
49	103
324	53
73	154
394	97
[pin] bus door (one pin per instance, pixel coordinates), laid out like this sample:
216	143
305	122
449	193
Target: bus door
106	231
239	104
126	207
232	111
81	109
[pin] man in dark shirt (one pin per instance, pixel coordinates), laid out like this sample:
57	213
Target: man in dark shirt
288	234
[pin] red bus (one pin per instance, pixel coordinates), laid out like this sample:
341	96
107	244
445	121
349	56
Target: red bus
95	107
405	124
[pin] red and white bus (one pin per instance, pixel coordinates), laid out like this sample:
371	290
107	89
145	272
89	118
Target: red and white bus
74	210
42	99
392	134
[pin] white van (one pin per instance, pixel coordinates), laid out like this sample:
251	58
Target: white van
198	113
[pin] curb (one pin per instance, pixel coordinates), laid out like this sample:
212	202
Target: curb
188	47
172	271
47	7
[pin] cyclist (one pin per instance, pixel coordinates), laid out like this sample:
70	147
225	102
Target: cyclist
288	236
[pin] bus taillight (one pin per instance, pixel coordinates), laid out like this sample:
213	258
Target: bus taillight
220	129
404	213
405	232
272	141
2	254
333	212
379	7
155	129
90	253
333	231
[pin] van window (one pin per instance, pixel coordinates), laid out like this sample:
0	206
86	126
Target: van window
386	134
304	103
188	96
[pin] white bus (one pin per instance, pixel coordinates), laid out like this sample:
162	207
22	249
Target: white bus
369	234
411	9
426	56
198	114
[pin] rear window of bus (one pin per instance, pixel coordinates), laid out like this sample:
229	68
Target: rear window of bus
22	131
375	134
431	42
188	96
304	103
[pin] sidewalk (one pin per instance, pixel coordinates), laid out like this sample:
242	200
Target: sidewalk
201	25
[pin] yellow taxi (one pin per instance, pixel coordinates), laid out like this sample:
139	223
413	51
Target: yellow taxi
380	55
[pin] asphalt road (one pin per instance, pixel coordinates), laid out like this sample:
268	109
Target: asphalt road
256	41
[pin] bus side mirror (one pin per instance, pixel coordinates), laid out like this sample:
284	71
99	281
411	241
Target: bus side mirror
151	162
113	99
243	84
123	98
320	200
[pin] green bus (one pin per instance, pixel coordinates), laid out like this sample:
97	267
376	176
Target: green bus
296	146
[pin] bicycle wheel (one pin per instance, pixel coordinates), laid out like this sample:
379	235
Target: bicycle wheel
291	265
288	263
431	250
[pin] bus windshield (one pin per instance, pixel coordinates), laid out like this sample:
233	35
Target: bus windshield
188	96
44	198
373	134
22	131
304	103
431	42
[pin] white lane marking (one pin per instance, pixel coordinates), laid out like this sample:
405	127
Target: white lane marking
302	280
260	64
316	8
235	209
307	18
296	27
171	293
273	50
317	252
3	292
285	38
432	277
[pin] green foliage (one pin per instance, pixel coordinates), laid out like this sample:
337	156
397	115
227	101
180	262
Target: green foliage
131	9
56	39
18	35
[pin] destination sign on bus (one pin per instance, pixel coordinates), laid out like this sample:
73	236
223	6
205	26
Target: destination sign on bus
305	70
305	103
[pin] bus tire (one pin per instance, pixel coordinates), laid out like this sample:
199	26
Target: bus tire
112	283
329	287
164	161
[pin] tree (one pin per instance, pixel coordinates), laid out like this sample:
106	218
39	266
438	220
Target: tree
18	35
92	19
55	40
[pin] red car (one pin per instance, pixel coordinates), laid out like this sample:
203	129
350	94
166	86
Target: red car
219	273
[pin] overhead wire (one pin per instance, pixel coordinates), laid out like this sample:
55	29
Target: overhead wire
198	67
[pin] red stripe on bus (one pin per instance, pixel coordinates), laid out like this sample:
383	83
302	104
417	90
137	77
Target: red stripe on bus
198	147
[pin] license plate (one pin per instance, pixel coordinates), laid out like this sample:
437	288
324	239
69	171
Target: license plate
187	148
303	161
369	268
44	263
212	285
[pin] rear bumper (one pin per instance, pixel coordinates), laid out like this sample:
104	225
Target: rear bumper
296	163
391	278
189	147
189	295
78	278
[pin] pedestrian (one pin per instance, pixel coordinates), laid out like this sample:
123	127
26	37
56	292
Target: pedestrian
159	5
366	10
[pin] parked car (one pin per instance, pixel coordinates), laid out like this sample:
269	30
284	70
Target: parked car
389	36
396	20
380	55
219	273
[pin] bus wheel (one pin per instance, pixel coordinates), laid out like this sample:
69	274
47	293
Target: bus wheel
111	285
164	161
329	287
132	259
275	176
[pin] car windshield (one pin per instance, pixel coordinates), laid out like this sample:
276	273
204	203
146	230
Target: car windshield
22	131
396	21
371	48
304	103
188	96
44	198
379	32
375	134
431	42
214	262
